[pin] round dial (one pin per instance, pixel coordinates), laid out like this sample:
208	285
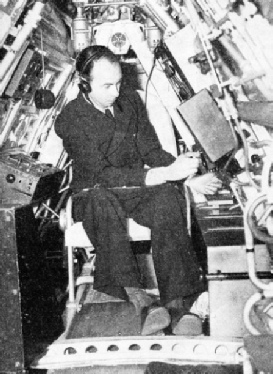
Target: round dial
118	40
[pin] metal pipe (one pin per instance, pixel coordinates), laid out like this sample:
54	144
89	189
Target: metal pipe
250	254
237	276
247	310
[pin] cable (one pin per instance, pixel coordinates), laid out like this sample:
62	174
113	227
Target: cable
148	79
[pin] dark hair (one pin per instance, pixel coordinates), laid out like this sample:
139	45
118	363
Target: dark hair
87	57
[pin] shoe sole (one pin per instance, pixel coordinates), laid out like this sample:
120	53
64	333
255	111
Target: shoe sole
189	324
157	319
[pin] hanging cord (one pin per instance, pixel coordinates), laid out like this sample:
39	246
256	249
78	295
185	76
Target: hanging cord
148	81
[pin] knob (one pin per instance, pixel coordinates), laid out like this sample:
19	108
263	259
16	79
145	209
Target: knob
255	159
10	178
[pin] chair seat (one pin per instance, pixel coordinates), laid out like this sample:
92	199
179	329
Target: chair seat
76	235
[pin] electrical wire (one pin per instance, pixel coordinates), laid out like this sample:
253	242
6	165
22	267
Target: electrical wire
149	79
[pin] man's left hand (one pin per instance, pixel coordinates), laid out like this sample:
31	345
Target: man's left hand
206	184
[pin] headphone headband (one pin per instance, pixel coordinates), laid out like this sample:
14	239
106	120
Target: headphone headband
88	61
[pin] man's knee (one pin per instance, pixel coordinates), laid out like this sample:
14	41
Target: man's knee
170	207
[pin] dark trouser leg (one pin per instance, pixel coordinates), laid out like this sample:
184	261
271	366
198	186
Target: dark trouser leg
105	224
177	270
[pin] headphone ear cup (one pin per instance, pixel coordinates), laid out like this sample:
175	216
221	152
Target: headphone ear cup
84	86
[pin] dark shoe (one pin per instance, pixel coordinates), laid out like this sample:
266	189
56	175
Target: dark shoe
183	322
156	320
188	324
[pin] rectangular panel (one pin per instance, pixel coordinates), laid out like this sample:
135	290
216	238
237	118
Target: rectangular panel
208	125
227	298
232	259
226	301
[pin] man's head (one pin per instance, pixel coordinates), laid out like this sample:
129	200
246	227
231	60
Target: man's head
100	73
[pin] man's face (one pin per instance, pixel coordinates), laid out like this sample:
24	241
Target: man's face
105	83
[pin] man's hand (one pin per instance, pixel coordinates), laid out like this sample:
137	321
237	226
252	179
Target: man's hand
207	184
184	166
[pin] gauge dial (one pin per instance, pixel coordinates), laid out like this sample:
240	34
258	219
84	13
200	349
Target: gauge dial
118	40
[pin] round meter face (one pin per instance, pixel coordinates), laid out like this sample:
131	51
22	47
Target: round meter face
118	40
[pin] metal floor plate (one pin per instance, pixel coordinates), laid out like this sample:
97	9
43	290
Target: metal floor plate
64	353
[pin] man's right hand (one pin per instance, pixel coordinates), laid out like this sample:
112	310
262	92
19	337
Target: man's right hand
184	166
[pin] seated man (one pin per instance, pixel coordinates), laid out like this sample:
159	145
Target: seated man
106	132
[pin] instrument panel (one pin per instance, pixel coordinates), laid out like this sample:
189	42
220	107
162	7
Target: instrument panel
23	180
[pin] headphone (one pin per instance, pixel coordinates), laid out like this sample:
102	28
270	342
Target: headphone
83	64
